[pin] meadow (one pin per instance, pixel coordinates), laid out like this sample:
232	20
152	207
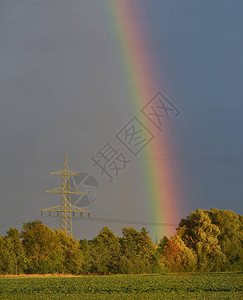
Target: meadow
165	286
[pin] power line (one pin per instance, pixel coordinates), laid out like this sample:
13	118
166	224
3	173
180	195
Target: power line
92	219
215	159
119	221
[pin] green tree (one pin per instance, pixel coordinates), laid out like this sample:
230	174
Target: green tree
200	234
138	253
230	237
85	248
42	247
72	257
17	252
163	242
105	252
6	262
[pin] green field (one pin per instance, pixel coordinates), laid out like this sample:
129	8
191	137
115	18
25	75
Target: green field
169	286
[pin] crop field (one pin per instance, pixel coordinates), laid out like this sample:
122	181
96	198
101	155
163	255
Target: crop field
168	286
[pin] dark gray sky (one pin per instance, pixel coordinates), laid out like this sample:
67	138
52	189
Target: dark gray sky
61	91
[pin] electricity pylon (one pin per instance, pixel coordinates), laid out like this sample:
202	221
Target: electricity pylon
66	209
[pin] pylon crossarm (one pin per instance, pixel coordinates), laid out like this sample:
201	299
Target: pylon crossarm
78	209
61	208
76	191
63	190
65	172
54	208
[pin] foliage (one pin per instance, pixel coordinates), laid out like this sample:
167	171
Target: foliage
105	252
6	266
42	248
230	237
70	253
138	253
206	241
178	257
200	234
17	252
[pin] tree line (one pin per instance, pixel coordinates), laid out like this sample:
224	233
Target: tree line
206	241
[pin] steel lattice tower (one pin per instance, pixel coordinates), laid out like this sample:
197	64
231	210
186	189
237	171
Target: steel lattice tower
66	209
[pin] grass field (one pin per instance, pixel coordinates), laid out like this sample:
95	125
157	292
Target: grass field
169	286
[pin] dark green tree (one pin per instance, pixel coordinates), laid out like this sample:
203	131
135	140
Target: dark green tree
163	242
6	262
138	253
84	246
72	257
105	252
16	250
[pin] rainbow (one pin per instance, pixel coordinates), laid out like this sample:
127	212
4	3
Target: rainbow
142	82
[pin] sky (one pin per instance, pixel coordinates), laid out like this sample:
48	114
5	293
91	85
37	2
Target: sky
62	91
